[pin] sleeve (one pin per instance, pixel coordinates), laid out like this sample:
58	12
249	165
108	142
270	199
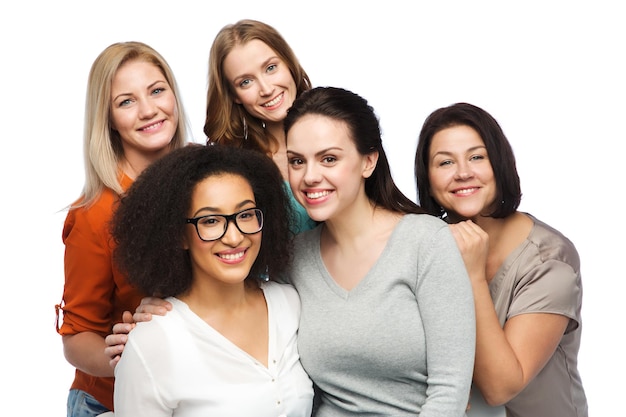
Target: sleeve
89	283
445	300
137	392
551	286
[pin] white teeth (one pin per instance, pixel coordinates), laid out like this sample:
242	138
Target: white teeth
151	127
318	194
231	256
465	191
273	102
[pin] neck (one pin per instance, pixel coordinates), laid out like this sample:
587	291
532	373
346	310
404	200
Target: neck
133	163
205	296
353	223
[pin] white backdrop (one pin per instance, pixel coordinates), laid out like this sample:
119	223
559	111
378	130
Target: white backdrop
552	73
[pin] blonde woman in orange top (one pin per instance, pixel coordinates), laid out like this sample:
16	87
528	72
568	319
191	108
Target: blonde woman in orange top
134	115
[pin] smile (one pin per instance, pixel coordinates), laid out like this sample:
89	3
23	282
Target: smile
275	101
232	256
317	194
152	126
466	190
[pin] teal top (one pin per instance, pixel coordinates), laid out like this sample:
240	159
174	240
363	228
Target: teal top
301	220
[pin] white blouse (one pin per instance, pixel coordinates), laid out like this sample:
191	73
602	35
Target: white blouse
178	365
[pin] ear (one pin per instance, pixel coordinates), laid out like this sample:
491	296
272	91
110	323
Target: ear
185	243
370	161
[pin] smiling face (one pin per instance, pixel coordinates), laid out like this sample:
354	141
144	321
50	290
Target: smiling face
460	174
261	81
229	259
143	108
326	172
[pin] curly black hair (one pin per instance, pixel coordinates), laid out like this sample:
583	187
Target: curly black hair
148	225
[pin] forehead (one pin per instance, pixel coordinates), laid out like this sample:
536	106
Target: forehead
455	139
221	190
247	56
313	132
136	73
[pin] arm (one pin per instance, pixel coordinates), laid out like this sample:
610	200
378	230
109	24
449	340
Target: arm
84	351
508	358
445	301
115	342
88	290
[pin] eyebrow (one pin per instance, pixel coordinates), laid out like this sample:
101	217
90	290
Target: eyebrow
320	153
265	63
472	149
215	210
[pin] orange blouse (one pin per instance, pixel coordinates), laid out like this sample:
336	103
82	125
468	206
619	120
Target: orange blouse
95	292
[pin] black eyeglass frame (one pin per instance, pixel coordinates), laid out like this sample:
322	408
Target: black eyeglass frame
229	218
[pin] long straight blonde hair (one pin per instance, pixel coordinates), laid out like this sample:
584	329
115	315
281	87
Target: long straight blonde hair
102	145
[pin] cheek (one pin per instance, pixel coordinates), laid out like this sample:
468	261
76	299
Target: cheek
437	181
116	120
190	237
173	108
246	98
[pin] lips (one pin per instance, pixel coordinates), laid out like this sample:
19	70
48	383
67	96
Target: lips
232	256
316	194
276	100
152	126
465	191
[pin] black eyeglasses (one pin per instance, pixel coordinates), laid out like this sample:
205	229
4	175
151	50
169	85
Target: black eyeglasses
214	226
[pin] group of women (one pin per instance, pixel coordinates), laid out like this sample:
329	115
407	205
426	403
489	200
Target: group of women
279	271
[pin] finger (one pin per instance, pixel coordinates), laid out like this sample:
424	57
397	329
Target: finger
127	317
114	361
139	317
121	328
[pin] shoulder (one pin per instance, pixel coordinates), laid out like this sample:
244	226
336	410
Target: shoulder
551	244
282	298
424	220
421	227
277	289
100	210
161	327
94	218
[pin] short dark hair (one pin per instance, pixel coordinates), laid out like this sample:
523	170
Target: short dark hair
499	150
148	225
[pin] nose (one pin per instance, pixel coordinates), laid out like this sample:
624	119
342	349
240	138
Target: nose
463	172
232	236
312	174
265	87
147	109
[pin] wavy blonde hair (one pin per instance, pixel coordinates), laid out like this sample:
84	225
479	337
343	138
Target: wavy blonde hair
102	146
224	121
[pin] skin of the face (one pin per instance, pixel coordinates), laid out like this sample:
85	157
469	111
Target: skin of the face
226	261
143	108
460	173
326	172
261	81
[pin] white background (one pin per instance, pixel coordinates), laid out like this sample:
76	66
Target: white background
552	73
